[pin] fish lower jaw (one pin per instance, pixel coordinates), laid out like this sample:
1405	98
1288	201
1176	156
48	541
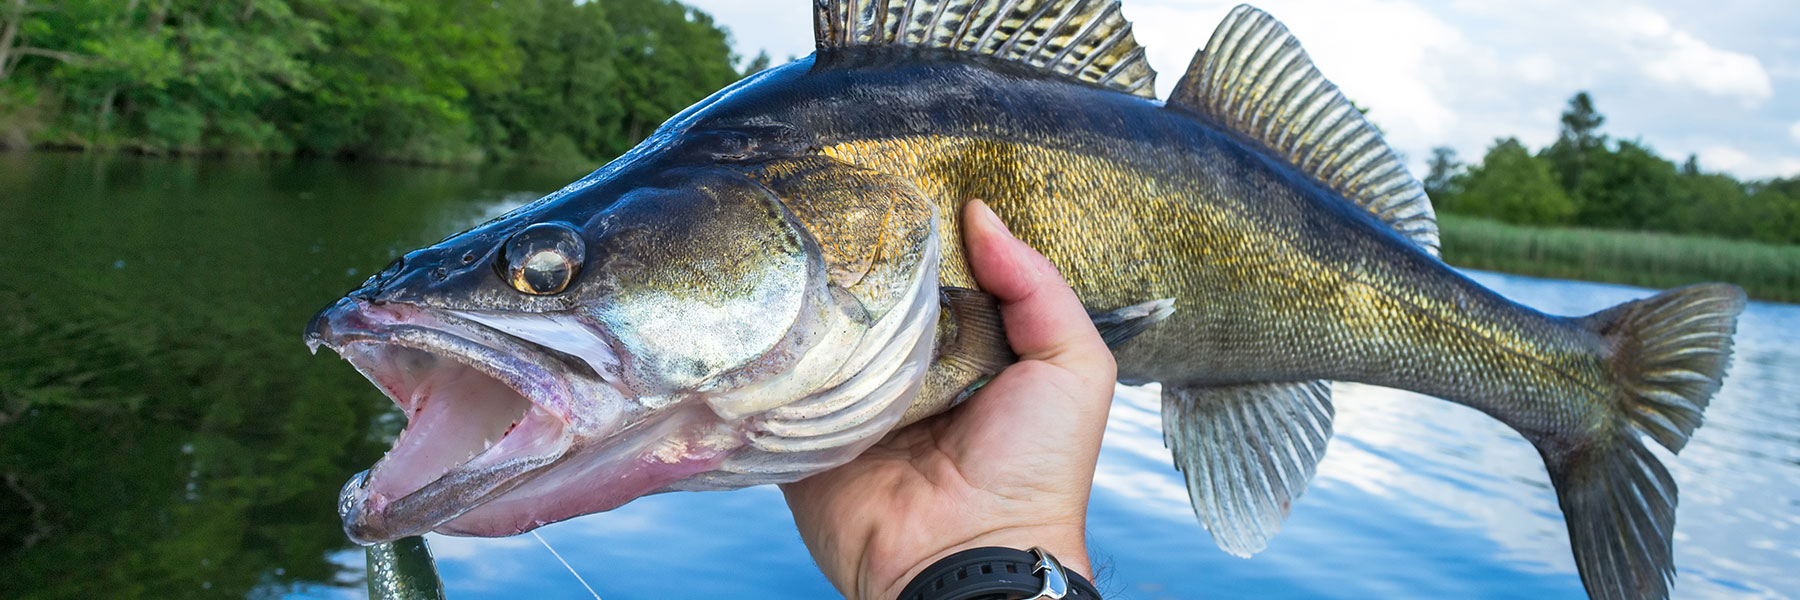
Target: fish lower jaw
605	473
468	436
413	491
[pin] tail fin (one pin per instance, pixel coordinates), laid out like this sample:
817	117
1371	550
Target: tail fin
1668	355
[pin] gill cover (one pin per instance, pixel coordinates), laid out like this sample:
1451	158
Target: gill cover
698	281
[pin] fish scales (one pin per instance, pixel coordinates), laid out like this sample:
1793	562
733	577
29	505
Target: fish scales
1261	296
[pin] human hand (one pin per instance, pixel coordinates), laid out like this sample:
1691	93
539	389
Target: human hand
1011	467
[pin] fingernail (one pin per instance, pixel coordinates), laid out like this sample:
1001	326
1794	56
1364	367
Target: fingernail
987	213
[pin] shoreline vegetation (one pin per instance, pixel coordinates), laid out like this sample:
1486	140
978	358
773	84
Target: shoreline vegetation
1600	209
440	82
465	82
1637	258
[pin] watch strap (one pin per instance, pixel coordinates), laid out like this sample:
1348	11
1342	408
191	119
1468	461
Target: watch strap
994	573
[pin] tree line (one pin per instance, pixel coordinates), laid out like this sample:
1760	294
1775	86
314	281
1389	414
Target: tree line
438	81
1588	179
448	81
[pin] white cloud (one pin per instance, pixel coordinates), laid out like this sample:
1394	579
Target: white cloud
1682	77
1676	58
1536	69
1724	158
1747	165
1381	53
782	29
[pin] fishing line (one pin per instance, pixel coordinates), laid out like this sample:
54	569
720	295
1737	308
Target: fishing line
565	564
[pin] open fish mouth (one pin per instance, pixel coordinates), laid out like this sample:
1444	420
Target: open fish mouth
486	413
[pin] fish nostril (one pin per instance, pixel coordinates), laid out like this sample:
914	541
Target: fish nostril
468	257
392	269
439	274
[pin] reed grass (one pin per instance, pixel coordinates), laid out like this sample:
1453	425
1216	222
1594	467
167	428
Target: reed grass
1654	260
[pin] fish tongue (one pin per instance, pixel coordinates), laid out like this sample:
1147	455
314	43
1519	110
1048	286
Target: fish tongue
456	413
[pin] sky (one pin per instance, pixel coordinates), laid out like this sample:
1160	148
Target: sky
1718	79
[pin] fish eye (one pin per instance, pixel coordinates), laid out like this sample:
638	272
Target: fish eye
543	259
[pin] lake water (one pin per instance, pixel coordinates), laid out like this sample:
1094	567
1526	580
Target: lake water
164	433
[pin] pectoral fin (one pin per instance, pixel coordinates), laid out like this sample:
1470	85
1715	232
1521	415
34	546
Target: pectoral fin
1248	451
1119	326
971	349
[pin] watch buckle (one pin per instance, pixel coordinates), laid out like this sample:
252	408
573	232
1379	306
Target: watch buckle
1056	584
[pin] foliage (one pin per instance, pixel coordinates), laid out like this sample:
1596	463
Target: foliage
417	80
1656	260
1578	139
1511	185
1587	179
1441	178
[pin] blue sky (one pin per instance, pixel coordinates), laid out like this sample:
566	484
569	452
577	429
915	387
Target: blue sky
1720	79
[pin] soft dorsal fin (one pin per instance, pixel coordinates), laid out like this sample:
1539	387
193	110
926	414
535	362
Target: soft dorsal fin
1087	40
1255	78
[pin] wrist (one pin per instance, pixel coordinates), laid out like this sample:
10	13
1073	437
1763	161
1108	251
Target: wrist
1068	543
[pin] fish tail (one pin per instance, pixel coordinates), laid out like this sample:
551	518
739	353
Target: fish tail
1667	354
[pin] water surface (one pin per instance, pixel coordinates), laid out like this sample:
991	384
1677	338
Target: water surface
164	434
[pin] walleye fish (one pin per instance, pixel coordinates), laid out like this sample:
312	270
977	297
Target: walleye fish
773	281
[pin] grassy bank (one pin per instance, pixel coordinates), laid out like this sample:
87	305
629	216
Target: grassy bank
1656	260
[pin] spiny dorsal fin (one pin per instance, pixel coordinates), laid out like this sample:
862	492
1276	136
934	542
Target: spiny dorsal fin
1255	78
1084	39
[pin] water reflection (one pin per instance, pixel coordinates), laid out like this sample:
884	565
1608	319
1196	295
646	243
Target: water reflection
164	434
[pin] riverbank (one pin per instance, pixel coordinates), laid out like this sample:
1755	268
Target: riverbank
467	160
1655	260
446	82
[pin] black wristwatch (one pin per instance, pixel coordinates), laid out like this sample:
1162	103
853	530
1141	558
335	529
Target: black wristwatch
995	573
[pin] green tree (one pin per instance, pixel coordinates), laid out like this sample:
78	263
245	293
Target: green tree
1441	180
1512	185
1773	209
758	64
1709	203
394	75
418	80
177	75
17	31
1576	143
669	57
565	103
1629	187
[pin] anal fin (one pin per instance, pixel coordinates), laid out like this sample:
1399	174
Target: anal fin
1247	451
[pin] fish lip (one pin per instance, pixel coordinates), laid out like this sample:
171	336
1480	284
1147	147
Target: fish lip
358	330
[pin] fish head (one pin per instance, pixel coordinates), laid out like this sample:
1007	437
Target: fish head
576	354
